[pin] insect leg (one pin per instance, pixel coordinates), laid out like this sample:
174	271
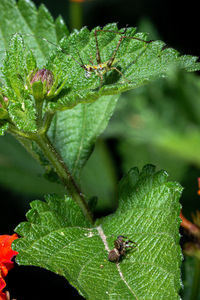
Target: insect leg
124	36
98	57
134	244
110	62
101	80
128	81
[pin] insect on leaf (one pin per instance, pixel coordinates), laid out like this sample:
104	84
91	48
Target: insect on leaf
59	239
137	62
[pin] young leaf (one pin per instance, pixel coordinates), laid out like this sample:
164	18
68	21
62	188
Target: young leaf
59	239
14	69
23	115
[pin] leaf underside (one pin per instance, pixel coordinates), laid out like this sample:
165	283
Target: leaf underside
74	132
59	239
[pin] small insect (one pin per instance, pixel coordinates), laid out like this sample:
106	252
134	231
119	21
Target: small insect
103	67
121	247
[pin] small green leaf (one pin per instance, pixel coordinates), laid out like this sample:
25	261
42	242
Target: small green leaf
23	115
31	63
61	28
37	88
57	237
14	69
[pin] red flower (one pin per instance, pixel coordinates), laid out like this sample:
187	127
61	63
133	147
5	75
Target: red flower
6	254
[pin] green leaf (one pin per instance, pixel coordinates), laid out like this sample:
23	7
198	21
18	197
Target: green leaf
14	69
138	62
74	131
23	115
34	23
58	239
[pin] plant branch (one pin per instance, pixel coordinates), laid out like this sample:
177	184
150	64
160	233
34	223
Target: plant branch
61	169
38	106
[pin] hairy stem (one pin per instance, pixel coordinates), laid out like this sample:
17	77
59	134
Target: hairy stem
47	121
61	169
38	106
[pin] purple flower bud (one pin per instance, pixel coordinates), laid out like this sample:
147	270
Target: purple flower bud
43	75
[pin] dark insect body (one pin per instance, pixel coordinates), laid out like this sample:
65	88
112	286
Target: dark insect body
120	249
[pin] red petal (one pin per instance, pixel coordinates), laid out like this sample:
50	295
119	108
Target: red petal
6	253
2	286
2	296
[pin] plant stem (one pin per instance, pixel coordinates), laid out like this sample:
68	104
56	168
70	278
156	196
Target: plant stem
38	106
196	280
47	121
61	169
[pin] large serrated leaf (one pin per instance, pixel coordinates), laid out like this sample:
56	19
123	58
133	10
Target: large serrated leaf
58	239
138	62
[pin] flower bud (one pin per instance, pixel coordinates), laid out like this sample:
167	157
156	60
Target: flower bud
41	83
43	75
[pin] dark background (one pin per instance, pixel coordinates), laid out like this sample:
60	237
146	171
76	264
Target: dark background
177	23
